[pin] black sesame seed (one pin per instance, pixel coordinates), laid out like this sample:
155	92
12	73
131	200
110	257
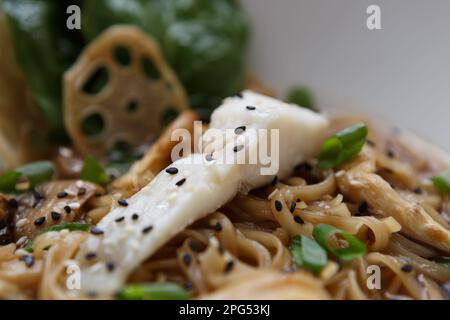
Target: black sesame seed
239	95
147	229
120	219
187	259
135	216
28	260
407	268
390	154
122	202
181	182
274	181
293	206
96	231
209	157
238	148
110	266
188	285
218	227
193	245
39	221
251	108
62	194
67	209
13	203
418	190
370	143
363	208
240	130
82	191
90	256
55	215
278	205
172	170
229	266
38	195
298	219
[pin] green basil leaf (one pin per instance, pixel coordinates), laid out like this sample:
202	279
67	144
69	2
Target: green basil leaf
153	291
343	146
63	226
443	262
308	254
442	182
355	248
92	171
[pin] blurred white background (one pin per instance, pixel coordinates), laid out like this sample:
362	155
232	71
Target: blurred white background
400	74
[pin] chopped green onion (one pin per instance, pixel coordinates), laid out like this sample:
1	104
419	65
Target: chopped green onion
153	291
92	171
69	226
36	173
302	97
355	248
442	182
307	253
343	146
443	262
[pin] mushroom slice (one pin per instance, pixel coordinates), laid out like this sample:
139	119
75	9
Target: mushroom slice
51	203
360	183
119	91
157	157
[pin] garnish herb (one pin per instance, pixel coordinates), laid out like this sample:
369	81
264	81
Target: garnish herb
93	172
35	173
308	254
443	262
442	182
355	248
343	146
303	97
153	291
69	226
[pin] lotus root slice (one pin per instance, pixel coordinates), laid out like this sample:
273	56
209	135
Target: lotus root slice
119	91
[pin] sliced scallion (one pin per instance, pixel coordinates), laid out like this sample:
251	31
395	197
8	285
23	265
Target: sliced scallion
343	146
308	254
355	248
153	291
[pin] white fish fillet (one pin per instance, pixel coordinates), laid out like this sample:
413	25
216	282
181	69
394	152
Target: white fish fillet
169	208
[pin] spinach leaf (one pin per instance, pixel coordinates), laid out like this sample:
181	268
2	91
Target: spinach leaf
44	49
203	40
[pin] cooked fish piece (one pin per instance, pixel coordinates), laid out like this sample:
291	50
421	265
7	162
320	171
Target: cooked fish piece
192	187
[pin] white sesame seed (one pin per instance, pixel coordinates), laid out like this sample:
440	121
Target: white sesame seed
70	192
22	222
79	183
22	240
74	205
66	152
